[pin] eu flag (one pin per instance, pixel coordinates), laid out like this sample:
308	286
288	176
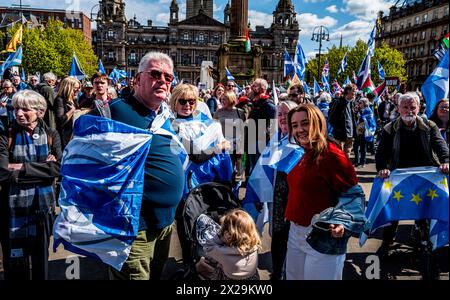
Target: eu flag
411	194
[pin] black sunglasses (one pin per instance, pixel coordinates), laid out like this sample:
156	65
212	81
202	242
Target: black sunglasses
293	95
156	74
190	101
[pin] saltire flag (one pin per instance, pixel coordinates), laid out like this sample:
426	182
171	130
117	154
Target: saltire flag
101	69
289	67
336	87
364	72
381	73
316	87
370	124
368	86
326	69
306	87
371	42
279	155
300	61
238	87
101	191
23	75
14	59
15	40
325	83
228	74
75	70
410	194
347	81
343	64
436	87
117	75
248	43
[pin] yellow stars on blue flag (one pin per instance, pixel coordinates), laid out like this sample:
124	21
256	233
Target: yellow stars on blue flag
398	195
432	194
388	185
416	198
444	182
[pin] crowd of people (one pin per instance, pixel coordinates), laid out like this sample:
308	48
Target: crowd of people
224	131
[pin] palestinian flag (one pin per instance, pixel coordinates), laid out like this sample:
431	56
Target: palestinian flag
445	40
248	44
380	89
368	86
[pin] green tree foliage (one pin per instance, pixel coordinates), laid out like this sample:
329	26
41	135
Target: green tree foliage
391	60
50	49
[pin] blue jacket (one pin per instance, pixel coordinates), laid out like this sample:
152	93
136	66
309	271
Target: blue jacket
349	212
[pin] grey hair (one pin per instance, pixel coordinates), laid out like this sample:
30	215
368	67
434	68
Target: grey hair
408	97
262	83
365	101
154	56
29	99
325	97
49	76
288	103
112	91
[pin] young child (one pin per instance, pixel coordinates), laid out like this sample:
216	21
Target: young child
231	249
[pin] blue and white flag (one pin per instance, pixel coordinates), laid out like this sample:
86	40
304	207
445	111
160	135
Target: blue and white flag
306	87
175	79
381	73
117	75
289	66
101	69
411	194
300	61
101	191
343	64
325	83
23	76
75	70
436	87
347	81
228	74
316	87
364	71
326	70
371	42
14	59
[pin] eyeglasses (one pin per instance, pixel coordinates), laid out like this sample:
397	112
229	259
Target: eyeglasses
190	101
293	95
156	74
230	85
100	82
446	107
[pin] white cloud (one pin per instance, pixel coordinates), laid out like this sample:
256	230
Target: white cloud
313	1
257	18
308	22
366	9
332	9
352	31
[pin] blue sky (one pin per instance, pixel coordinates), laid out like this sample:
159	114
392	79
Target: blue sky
352	19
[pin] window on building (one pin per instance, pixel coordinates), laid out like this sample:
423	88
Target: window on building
446	11
133	56
444	29
186	36
201	38
407	39
415	37
425	18
423	35
185	59
413	52
431	48
416	20
111	54
110	34
286	40
435	14
433	33
80	24
421	51
199	59
430	68
409	23
402	25
406	53
400	40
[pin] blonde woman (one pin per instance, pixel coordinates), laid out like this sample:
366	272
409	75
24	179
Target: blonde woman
65	106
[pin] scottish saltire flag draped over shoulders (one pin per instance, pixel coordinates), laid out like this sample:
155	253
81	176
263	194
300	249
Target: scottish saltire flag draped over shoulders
101	191
101	69
411	194
343	64
381	71
75	70
436	87
300	61
228	74
289	67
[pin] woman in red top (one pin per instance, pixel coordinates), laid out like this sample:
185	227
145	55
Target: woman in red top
314	185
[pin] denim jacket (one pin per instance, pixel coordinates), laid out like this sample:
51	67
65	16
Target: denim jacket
349	212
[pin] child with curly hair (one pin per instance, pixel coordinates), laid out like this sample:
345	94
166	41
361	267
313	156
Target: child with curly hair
231	248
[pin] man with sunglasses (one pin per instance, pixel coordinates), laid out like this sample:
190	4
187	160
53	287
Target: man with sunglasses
164	175
297	94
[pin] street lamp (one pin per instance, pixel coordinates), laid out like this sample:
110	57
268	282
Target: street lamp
320	33
97	17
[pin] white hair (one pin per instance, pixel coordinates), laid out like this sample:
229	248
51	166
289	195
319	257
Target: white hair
408	97
325	97
154	56
262	83
29	99
49	76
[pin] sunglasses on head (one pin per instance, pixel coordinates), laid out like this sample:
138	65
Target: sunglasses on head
156	74
190	101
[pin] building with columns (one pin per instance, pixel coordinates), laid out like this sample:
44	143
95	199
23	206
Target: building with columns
415	28
122	43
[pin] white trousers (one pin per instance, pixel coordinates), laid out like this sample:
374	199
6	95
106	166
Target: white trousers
305	263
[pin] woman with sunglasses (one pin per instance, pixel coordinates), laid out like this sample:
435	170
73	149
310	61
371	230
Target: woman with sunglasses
205	144
440	117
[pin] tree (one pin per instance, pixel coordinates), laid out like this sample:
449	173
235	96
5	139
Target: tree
51	49
391	59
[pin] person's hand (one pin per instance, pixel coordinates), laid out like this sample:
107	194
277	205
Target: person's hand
384	173
51	157
14	167
444	168
337	231
71	107
224	145
3	104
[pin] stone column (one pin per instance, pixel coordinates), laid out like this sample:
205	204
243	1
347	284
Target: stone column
239	19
